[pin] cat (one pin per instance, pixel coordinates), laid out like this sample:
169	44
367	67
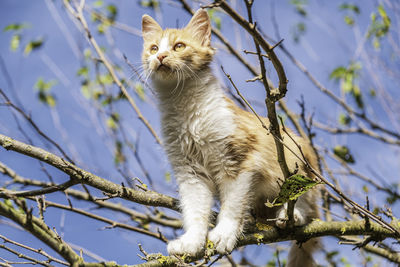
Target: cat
216	149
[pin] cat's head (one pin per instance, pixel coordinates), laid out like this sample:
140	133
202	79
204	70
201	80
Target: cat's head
176	54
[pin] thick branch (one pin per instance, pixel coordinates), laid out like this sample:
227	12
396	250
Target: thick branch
39	230
17	179
271	110
150	198
315	229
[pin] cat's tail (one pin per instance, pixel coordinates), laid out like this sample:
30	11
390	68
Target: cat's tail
301	256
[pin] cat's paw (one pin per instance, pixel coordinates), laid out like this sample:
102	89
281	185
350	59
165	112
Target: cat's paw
224	240
187	244
281	218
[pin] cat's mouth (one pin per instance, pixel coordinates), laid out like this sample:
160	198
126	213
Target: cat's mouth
163	67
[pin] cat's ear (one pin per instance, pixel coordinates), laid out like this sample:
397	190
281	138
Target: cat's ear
150	28
200	26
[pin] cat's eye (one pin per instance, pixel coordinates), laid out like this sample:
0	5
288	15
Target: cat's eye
179	47
153	49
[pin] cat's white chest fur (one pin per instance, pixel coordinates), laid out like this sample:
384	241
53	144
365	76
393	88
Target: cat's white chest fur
196	125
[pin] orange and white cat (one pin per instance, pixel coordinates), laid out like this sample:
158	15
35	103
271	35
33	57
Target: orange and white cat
216	149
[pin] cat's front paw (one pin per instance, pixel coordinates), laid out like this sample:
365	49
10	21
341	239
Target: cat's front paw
224	241
187	244
282	219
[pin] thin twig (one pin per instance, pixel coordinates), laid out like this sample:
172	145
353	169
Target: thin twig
39	251
80	17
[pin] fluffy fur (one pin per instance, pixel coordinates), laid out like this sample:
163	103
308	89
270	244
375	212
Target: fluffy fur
217	150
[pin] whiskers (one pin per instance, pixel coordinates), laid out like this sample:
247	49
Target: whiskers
192	73
140	72
183	73
180	74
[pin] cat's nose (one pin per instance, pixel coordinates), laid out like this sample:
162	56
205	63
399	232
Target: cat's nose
161	57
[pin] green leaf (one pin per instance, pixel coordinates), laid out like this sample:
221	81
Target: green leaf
350	7
298	31
85	90
354	67
47	98
119	156
149	3
44	94
215	18
292	188
218	22
384	16
33	45
97	94
44	86
372	92
168	177
344	119
121	96
107	101
102	28
338	73
113	121
87	53
98	3
15	27
380	25
343	153
50	100
356	93
349	20
94	17
112	12
346	263
140	91
376	43
83	71
300	6
348	77
105	79
15	42
347	85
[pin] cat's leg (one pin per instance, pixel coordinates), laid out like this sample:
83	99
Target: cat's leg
196	203
298	216
303	211
235	197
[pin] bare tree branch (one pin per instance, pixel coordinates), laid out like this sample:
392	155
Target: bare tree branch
150	198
